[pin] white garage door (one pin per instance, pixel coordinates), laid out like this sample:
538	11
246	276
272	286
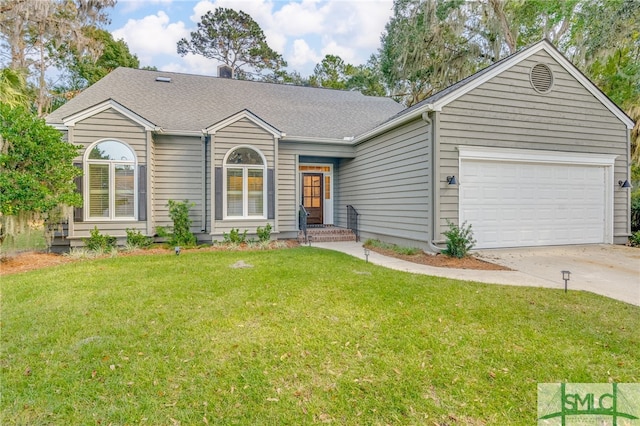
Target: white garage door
513	204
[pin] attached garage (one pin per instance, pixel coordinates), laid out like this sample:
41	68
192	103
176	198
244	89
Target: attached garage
519	198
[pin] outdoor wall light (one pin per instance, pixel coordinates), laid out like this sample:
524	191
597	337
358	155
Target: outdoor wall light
367	252
177	250
451	180
624	184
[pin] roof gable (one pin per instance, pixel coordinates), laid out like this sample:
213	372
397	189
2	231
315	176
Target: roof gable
510	61
244	114
71	120
439	100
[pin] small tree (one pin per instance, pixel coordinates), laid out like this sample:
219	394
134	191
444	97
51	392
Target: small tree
36	171
181	235
234	39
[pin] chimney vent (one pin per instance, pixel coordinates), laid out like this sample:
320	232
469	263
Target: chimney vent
225	71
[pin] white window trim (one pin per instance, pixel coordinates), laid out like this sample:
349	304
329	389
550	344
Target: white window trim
245	185
549	157
112	163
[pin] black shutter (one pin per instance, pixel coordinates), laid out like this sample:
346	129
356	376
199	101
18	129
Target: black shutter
78	212
218	199
142	192
271	194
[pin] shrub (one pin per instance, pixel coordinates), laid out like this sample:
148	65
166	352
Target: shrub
634	239
181	234
635	211
135	239
100	243
234	236
264	234
459	240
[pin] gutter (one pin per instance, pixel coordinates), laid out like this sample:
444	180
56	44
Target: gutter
385	127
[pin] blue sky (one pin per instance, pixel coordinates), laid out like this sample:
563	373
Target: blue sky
302	31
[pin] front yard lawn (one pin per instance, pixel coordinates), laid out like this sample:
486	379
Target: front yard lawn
303	336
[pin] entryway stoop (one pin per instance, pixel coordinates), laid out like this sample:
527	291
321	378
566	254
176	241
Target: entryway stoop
327	234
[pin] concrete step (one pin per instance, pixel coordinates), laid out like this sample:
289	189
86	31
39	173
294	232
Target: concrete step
327	234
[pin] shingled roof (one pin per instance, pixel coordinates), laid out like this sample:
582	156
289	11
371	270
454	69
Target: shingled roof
193	102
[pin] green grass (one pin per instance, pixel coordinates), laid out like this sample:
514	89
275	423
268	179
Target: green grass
304	336
410	251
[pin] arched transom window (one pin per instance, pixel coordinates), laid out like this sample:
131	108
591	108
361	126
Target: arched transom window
111	174
244	184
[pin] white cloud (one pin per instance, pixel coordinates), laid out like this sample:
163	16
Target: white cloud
151	36
133	5
297	19
302	31
348	54
302	55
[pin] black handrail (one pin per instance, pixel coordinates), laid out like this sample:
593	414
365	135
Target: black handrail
302	222
352	220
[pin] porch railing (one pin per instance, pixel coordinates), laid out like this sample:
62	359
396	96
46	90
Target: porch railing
352	220
302	222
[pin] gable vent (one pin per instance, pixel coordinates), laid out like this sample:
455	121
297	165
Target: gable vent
164	79
541	78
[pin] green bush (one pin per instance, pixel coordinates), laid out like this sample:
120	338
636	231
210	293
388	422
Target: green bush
634	239
135	239
234	236
264	234
98	242
459	240
181	235
635	211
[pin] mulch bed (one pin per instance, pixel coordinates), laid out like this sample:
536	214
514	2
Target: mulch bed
442	261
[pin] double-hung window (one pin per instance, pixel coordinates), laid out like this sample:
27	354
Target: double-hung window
245	184
111	181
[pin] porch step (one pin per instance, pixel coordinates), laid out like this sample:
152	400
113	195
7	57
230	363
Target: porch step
327	234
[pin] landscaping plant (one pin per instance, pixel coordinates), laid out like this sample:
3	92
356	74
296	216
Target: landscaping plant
181	235
100	243
459	240
264	234
234	236
136	240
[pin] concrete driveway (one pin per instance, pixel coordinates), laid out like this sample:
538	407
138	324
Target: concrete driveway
609	270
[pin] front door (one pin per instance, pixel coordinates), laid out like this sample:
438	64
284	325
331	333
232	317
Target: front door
312	197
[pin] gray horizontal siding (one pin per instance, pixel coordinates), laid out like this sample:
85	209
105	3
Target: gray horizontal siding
319	149
112	228
241	132
287	202
389	184
177	176
506	112
112	125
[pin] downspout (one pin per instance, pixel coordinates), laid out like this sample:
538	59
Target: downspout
204	139
435	189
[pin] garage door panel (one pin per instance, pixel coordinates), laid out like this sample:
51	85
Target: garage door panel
514	204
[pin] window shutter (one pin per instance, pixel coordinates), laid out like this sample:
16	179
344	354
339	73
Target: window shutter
142	192
78	212
218	199
271	194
